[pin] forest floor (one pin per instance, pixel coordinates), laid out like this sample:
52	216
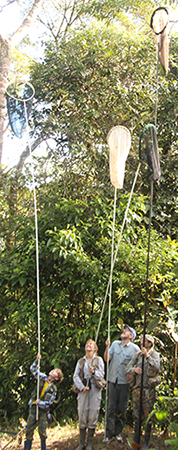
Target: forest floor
67	438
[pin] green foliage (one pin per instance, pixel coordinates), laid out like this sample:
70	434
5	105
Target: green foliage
165	412
173	442
95	72
75	234
93	81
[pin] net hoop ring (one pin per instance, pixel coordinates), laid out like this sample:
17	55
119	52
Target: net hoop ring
150	125
119	127
151	21
17	85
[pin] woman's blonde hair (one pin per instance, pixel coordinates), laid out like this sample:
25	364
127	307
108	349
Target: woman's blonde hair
95	346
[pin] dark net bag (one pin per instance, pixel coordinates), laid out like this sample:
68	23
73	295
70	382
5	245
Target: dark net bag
19	98
148	150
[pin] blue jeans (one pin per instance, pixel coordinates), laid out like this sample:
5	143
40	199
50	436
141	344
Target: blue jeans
117	406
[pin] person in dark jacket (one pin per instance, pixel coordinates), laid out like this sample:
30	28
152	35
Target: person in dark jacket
151	379
47	395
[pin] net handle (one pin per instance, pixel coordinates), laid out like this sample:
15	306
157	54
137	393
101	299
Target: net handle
22	99
37	260
140	138
151	22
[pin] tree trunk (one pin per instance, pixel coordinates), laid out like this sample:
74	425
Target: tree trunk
175	367
5	58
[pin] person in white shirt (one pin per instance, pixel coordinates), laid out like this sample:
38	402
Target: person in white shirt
89	396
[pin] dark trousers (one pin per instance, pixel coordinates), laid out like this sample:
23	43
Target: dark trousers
117	406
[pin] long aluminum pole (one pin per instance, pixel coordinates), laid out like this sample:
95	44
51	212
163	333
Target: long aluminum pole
145	312
37	256
109	309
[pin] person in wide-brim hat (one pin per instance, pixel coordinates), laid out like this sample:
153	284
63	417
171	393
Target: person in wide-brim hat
151	379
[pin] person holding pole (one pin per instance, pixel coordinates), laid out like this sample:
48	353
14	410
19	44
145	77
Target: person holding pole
120	353
47	395
88	373
145	363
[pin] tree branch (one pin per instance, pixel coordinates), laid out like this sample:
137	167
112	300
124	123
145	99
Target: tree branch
19	34
26	153
7	4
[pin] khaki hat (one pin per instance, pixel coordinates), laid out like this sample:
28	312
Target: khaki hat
150	338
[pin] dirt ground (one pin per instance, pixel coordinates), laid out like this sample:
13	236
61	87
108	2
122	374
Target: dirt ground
67	438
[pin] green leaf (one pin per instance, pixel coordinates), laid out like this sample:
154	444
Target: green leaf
153	324
22	280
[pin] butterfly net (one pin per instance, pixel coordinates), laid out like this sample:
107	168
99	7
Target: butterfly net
148	150
19	98
159	22
119	141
